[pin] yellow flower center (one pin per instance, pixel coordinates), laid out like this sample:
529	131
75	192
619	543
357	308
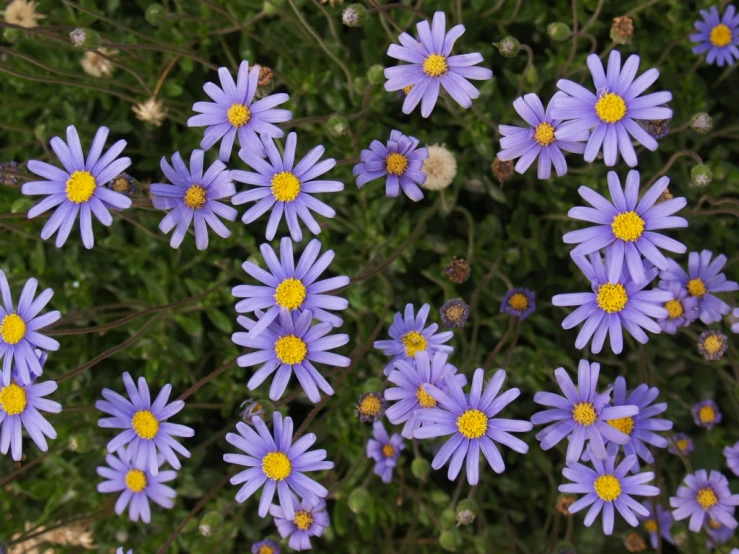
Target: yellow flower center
472	424
136	480
607	488
682	444
712	344
414	343
624	424
238	115
276	466
303	520
266	549
674	309
720	35
706	498
145	424
388	450
518	302
80	186
696	287
435	65
407	90
370	405
612	298
651	526
12	329
396	163
706	414
713	524
13	399
195	197
285	187
424	398
627	226
544	134
290	293
291	349
584	413
610	108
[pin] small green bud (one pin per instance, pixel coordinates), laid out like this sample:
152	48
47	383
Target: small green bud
512	255
11	35
376	74
89	39
701	175
270	6
337	126
466	511
701	123
439	497
373	384
39	131
559	31
210	523
532	75
448	519
508	47
420	468
354	15
358	500
156	15
79	442
450	540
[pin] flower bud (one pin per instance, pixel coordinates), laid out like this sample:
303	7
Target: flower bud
376	74
508	47
337	126
622	29
89	39
450	540
466	511
559	31
420	468
210	523
448	519
11	35
532	75
354	15
701	123
701	175
270	6
156	15
358	500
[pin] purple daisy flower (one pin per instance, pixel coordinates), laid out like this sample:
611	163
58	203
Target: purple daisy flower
538	139
659	525
718	533
625	226
705	496
19	330
413	379
731	453
285	187
409	336
20	407
400	161
682	310
138	486
613	110
233	112
703	279
471	421
287	286
194	195
80	187
519	303
146	429
706	414
265	546
606	487
431	67
680	443
735	321
288	346
581	414
384	450
276	463
308	519
717	35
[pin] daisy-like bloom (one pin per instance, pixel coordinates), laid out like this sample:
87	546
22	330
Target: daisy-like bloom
409	336
702	280
80	187
412	380
146	431
613	305
612	111
137	486
288	346
96	63
285	187
454	313
471	422
681	443
718	35
194	195
682	310
370	407
705	496
706	414
275	463
152	111
735	321
384	450
233	112
538	140
431	67
20	407
19	330
731	453
306	519
625	226
265	546
440	168
250	409
718	533
519	303
287	286
712	344
400	162
661	524
23	13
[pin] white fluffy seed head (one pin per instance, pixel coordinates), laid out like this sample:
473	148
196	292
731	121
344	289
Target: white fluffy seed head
440	168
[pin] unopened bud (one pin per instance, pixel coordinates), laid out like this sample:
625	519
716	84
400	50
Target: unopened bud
508	47
450	540
337	126
559	31
88	39
156	15
701	123
622	29
358	500
354	15
11	35
466	511
701	175
420	468
376	74
210	523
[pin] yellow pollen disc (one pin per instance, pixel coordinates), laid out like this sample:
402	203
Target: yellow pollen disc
472	424
607	488
136	480
518	302
544	134
627	226
651	526
285	187
303	520
370	405
624	424
13	399
696	287
266	549
388	450
425	399
713	524
610	108
195	197
12	329
396	163
435	65
682	444
720	35
145	424
674	309
290	349
712	344
408	89
706	414
80	187
276	466
414	343
612	298
290	293
584	413
238	115
706	498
